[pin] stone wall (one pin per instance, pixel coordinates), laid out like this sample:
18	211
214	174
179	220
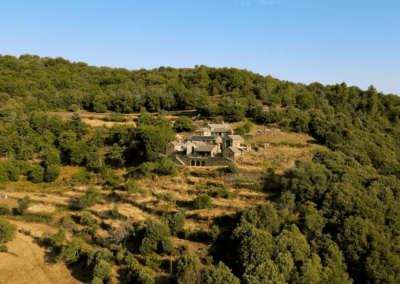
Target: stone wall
199	161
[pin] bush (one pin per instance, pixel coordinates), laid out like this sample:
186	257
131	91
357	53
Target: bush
183	123
115	213
233	169
202	201
91	197
189	269
4	209
70	252
167	246
214	233
102	270
239	131
152	262
219	274
3	248
37	174
144	277
132	187
24	204
73	108
115	116
14	174
58	239
178	221
248	126
7	231
166	167
87	219
52	172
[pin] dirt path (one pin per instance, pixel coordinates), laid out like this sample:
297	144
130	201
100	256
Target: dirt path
31	266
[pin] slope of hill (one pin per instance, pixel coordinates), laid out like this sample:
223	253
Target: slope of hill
319	204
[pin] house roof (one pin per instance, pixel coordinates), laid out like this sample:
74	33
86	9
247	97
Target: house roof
175	143
235	137
202	138
221	129
205	148
202	130
234	150
224	126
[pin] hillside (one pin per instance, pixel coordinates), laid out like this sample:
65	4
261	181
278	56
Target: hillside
81	148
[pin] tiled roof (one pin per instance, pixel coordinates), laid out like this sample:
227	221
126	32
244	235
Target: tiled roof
236	137
221	129
224	126
205	148
234	150
203	138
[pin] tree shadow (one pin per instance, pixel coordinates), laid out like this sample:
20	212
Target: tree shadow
80	271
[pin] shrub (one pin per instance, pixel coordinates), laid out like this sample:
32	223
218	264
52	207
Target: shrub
14	174
118	117
115	213
239	131
3	248
24	204
144	277
132	187
165	166
58	239
87	219
214	233
52	172
91	197
219	274
73	108
68	224
37	174
183	123
167	246
188	269
70	252
4	209
178	221
233	169
247	126
153	235
7	231
271	171
152	262
102	270
202	201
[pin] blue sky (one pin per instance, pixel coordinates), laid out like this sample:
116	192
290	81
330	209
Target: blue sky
357	42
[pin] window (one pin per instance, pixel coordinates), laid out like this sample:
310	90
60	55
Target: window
203	163
192	163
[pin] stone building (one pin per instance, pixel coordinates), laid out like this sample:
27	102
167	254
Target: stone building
212	145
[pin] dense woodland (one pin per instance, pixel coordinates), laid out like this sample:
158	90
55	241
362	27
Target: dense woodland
337	219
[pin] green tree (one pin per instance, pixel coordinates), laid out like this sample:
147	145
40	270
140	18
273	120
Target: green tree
178	221
7	231
24	204
37	174
219	274
202	201
184	123
58	239
91	197
52	172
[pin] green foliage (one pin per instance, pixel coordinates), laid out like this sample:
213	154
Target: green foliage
152	235
184	123
152	262
233	169
132	186
219	274
37	174
102	270
3	248
70	252
52	172
91	197
202	201
165	166
7	231
188	269
4	209
214	233
178	221
87	219
115	213
58	239
24	204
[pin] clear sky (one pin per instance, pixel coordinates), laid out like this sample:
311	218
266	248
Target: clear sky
357	42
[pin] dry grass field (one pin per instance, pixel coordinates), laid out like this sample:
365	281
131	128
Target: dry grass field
254	185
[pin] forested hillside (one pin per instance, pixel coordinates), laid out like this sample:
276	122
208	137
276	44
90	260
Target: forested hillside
337	218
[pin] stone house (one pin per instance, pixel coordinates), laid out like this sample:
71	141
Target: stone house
233	141
173	147
205	151
231	152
